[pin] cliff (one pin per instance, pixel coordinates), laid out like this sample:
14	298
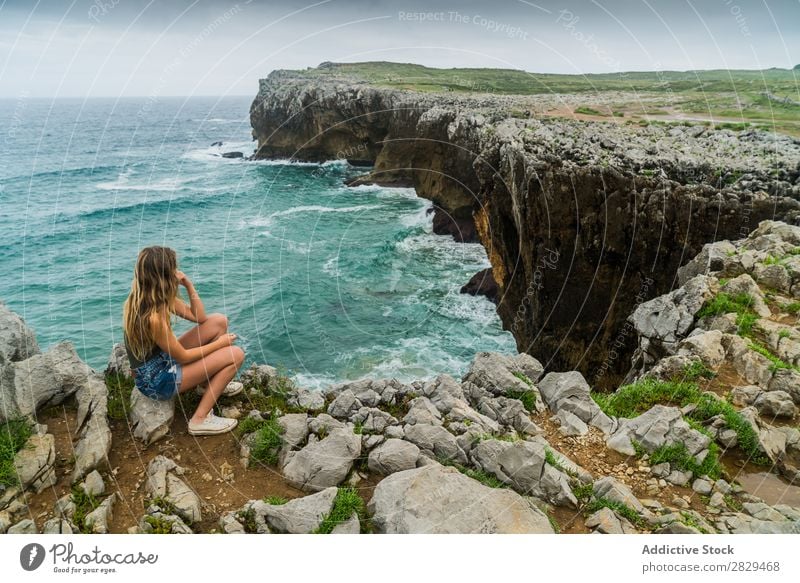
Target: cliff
581	220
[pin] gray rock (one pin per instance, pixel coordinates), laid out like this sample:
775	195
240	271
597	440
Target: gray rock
660	470
740	523
261	375
118	362
788	381
569	391
373	419
654	428
500	374
57	526
744	396
313	401
614	490
26	526
702	486
436	441
295	432
394	455
99	518
707	346
163	482
150	419
679	478
774	404
436	499
33	463
299	516
604	521
43	380
323	424
325	463
229	523
570	424
523	466
17	341
344	405
422	411
744	284
94	435
93	484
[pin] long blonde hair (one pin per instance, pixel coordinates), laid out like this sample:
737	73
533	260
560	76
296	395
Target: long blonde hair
153	291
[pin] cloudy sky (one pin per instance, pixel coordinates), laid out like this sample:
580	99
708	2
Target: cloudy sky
80	48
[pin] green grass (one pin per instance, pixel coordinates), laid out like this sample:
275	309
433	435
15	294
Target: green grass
248	519
13	435
269	396
346	503
679	457
777	363
276	500
618	507
528	398
479	475
551	459
553	523
739	304
249	425
523	377
488	436
792	308
784	334
733	502
697	370
588	111
583	492
267	443
160	525
691	521
119	395
84	505
633	400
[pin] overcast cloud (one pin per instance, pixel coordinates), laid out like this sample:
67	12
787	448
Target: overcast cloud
203	47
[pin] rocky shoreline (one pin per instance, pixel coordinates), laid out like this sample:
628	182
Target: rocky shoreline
509	448
623	205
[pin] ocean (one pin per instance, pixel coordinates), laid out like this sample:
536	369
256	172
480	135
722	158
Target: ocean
326	282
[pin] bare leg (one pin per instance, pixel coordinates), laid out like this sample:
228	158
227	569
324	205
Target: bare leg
215	326
216	370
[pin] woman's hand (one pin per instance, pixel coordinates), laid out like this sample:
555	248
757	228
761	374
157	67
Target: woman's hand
226	340
183	279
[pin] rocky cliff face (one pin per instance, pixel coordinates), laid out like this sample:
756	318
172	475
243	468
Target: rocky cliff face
581	220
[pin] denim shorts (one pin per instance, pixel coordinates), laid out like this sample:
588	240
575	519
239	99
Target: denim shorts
160	377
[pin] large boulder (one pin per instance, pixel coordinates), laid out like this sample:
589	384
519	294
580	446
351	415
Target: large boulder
437	499
94	435
656	427
299	516
150	418
17	341
435	441
570	391
118	362
324	463
294	433
393	455
43	380
163	482
523	466
499	374
33	464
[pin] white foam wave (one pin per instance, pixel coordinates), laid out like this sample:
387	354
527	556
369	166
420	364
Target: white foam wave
123	182
419	218
214	153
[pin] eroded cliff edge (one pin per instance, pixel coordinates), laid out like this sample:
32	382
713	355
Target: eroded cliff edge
581	220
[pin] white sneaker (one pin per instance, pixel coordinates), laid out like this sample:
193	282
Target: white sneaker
233	388
212	425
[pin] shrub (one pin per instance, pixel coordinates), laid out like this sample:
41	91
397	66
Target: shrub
528	398
346	503
267	443
739	304
119	395
13	436
679	457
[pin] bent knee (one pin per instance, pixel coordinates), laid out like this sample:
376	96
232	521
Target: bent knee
220	321
238	355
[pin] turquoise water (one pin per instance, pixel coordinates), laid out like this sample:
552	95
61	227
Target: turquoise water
329	282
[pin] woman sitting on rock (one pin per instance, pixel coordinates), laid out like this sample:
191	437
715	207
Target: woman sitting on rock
164	365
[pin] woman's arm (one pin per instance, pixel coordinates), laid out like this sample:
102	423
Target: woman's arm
182	310
196	304
166	341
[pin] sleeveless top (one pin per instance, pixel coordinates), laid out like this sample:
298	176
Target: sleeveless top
135	362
